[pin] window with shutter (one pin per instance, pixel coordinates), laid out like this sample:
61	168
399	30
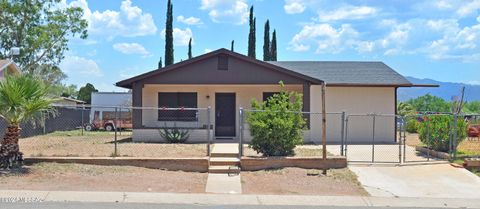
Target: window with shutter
177	100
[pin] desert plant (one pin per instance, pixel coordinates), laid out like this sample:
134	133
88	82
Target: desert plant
23	98
435	131
175	134
412	125
276	125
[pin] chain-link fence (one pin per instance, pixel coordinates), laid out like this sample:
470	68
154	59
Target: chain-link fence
372	138
100	131
444	136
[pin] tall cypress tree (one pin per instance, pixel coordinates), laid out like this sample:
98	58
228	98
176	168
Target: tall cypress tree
160	64
266	42
169	59
231	46
251	35
190	49
273	50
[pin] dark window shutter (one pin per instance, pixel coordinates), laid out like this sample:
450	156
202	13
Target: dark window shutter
177	100
267	95
222	62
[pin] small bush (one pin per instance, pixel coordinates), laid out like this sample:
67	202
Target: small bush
435	131
277	128
175	135
412	125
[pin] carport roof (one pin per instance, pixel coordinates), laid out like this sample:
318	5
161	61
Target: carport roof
347	73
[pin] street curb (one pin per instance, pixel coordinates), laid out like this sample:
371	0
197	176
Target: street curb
229	199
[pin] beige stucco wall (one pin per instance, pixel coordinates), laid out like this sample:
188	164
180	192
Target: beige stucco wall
206	98
354	100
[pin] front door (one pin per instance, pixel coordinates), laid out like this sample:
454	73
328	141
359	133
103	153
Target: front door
225	115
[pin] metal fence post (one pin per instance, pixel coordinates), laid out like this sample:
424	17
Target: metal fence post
373	139
115	152
428	138
82	125
346	136
44	115
450	139
342	143
240	143
405	123
208	130
402	126
455	118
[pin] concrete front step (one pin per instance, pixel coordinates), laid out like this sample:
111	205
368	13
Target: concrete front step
223	169
222	154
229	161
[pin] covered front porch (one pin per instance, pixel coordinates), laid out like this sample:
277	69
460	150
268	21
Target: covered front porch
217	105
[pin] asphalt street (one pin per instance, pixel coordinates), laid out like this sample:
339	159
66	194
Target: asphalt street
82	205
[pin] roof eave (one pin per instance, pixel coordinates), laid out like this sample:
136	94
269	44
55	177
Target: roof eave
127	83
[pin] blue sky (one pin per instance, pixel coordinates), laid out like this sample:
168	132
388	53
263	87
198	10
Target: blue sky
437	39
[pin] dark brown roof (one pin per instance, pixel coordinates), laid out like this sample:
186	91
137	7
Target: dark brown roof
348	73
128	82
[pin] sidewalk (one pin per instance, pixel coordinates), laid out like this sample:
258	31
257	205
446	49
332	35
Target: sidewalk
226	199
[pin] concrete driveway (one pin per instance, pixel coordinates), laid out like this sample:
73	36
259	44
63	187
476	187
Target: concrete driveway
430	180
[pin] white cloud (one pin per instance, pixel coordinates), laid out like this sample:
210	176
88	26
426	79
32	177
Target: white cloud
469	8
347	12
189	20
79	66
131	48
180	37
226	11
326	38
129	21
207	50
293	6
443	4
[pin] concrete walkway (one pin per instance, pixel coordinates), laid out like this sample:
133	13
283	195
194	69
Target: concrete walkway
221	183
226	199
432	180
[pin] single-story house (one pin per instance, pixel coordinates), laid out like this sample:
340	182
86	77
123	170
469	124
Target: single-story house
69	102
8	66
226	81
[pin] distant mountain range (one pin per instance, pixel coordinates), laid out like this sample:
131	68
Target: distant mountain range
446	90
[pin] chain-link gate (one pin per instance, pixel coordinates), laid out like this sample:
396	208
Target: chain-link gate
372	138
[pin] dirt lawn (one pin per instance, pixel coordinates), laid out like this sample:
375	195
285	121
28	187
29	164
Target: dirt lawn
299	181
79	177
101	144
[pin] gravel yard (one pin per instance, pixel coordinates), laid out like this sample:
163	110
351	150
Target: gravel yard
101	144
79	177
297	181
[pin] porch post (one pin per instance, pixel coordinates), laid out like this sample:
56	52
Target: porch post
137	104
306	97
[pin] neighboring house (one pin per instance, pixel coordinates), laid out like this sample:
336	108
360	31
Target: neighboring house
8	66
227	80
105	103
69	102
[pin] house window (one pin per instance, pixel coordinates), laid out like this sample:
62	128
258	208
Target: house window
267	95
177	100
222	62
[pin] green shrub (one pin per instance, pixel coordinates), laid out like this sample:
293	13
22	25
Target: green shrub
435	131
412	125
277	125
175	135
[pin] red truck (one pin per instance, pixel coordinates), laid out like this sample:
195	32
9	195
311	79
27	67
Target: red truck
106	120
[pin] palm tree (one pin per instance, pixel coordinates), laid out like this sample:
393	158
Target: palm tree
23	98
405	109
